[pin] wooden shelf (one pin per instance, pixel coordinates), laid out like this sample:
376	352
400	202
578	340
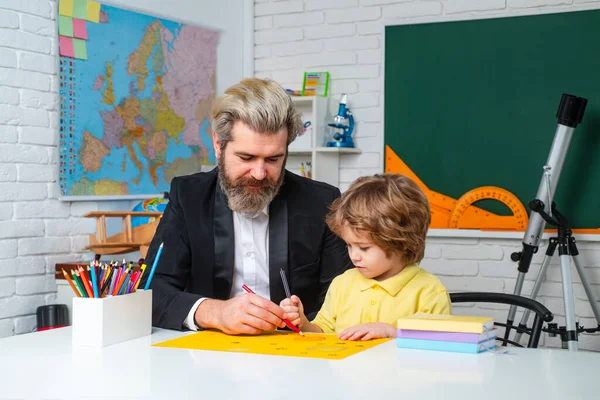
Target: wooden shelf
123	214
340	150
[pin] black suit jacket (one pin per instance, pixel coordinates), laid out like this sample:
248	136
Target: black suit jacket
198	251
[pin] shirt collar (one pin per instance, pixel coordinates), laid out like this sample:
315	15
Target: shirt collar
264	211
394	284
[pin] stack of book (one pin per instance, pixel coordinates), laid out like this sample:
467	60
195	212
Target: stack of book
461	334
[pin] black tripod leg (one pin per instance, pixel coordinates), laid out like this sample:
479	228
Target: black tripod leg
567	283
525	258
552	243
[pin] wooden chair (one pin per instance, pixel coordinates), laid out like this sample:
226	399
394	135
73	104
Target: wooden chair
127	241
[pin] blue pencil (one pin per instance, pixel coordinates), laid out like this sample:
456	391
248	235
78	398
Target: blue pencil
94	280
153	267
123	289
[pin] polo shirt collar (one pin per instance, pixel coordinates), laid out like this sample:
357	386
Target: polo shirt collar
394	284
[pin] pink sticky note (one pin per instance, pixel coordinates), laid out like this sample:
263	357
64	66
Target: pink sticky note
79	28
66	46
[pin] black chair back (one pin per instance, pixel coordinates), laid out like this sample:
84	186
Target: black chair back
542	314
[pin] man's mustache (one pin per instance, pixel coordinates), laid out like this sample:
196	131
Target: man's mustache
254	182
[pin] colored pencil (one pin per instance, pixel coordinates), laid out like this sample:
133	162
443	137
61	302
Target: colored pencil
288	294
79	284
134	281
68	278
288	323
160	249
101	280
119	283
98	280
286	287
86	282
106	282
139	279
119	279
94	280
115	283
113	279
123	288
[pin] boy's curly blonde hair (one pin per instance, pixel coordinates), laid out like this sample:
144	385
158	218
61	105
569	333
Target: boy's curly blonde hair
390	209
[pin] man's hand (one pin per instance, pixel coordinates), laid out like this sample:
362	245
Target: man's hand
245	314
370	331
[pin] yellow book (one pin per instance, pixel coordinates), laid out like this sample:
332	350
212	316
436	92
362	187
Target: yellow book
446	323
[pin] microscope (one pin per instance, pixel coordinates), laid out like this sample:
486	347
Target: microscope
343	138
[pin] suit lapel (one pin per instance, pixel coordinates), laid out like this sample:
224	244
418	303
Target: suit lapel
278	247
224	246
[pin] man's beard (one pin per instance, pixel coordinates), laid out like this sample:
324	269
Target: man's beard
243	199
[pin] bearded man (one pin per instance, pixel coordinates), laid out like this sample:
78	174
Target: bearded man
242	223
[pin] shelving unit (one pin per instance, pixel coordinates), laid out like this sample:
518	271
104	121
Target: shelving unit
311	146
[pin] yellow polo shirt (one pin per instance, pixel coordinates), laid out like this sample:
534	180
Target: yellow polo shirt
353	299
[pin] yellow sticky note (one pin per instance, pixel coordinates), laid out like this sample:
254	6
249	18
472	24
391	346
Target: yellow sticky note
65	8
93	11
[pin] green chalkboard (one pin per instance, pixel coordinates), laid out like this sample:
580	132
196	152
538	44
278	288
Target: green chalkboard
473	103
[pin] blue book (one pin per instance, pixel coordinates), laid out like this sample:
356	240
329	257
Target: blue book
439	345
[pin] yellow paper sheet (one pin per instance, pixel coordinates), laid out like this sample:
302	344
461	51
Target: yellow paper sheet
279	343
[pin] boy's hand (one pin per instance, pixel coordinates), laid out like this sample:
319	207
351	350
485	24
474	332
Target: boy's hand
369	331
293	310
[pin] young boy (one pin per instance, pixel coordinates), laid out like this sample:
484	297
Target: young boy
384	220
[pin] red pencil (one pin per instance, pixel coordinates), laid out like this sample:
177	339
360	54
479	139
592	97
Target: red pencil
86	283
288	323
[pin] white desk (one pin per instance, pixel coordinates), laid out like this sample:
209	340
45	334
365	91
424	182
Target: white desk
34	366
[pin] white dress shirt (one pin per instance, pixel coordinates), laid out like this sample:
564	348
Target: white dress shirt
251	258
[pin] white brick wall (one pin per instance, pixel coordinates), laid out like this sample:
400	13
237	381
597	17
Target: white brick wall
36	230
344	37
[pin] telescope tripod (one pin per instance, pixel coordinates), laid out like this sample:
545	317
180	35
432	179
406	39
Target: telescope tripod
567	250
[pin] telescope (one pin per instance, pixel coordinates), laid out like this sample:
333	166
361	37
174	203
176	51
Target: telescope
543	211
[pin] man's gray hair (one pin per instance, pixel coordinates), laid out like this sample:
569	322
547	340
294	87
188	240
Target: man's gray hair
261	104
